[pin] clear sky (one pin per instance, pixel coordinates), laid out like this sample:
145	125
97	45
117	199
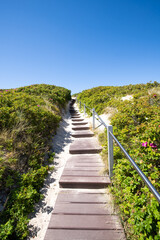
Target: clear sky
79	44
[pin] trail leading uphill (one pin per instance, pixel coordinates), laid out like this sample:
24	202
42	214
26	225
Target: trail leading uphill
83	210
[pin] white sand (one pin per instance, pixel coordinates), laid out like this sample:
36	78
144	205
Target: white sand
128	97
43	210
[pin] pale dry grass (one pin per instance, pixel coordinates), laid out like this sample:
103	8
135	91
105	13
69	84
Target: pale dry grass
8	157
54	109
4	135
12	140
111	111
155	90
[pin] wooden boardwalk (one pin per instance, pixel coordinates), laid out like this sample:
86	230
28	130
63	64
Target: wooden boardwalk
82	211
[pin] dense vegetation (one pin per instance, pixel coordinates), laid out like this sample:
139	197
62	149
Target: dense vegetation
136	124
28	117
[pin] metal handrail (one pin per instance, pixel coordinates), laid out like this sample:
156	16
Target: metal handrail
110	158
88	108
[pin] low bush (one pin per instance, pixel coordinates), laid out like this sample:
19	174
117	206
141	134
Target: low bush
29	116
136	125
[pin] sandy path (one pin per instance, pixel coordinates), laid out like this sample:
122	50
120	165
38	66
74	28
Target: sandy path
60	145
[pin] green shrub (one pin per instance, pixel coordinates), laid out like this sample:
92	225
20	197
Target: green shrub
28	117
136	125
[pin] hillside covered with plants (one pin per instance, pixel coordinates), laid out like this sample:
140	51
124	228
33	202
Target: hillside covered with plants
29	116
136	124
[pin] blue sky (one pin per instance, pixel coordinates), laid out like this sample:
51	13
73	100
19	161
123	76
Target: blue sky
79	44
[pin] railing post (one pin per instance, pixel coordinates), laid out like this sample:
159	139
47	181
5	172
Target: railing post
79	104
110	150
84	109
93	114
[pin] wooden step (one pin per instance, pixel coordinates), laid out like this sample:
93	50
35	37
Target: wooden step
87	182
76	196
79	123
82	208
80	173
90	158
84	160
92	222
68	234
82	133
84	146
75	116
80	127
77	119
84	164
85	168
84	171
85	215
73	111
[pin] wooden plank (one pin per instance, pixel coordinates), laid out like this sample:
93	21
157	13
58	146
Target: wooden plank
84	168
74	196
60	234
84	164
79	123
92	222
82	134
80	127
82	209
88	182
75	116
85	145
72	111
85	157
88	179
78	119
80	173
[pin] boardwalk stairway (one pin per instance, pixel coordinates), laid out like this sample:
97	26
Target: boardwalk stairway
82	210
